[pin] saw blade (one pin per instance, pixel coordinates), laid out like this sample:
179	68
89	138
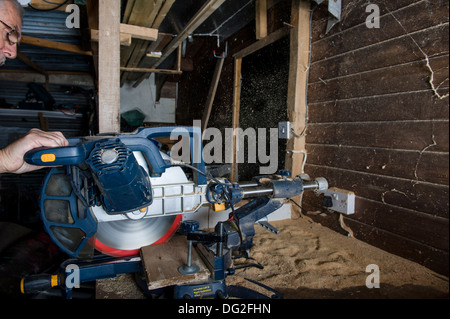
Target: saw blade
126	237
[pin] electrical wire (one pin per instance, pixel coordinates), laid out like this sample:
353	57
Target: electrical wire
224	194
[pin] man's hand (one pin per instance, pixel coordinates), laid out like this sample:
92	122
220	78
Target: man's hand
11	157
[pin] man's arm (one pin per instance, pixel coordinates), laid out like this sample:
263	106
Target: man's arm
11	157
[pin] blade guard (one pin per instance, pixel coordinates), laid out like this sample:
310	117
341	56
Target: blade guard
66	219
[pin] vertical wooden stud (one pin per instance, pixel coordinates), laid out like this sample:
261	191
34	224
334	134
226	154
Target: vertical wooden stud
109	66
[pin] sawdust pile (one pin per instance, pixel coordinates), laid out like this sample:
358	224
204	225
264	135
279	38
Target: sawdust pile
308	260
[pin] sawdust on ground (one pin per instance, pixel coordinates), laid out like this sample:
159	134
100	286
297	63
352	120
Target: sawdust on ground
307	260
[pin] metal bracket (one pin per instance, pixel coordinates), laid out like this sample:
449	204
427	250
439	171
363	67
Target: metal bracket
269	227
335	10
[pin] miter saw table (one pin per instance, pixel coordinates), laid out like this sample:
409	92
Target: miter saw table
115	203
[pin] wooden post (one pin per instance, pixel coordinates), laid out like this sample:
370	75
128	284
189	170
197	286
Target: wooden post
109	66
261	19
297	86
236	109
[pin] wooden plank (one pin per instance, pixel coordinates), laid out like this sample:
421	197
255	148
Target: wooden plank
430	257
109	66
128	10
143	14
147	70
391	107
161	263
125	39
54	45
409	77
419	196
271	38
419	16
423	254
401	50
413	165
297	87
261	19
138	32
163	13
212	93
22	57
236	108
403	135
423	228
54	77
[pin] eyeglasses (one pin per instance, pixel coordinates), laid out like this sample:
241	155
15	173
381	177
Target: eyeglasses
12	36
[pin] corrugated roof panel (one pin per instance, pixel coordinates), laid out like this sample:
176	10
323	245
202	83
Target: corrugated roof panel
15	92
47	23
50	25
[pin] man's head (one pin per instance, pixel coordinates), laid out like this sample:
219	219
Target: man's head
11	17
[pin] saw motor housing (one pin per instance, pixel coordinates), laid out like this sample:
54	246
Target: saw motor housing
123	184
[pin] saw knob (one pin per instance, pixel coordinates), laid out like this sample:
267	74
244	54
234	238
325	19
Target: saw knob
190	226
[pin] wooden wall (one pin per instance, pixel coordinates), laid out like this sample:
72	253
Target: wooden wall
379	128
376	127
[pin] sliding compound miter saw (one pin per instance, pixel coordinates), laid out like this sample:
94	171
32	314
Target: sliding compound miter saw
112	195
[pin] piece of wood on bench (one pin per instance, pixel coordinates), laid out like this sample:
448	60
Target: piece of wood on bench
161	263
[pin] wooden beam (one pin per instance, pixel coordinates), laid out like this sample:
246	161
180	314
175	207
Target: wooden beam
22	57
128	10
163	13
109	66
54	45
54	77
138	32
125	39
204	13
297	87
147	70
271	38
261	19
212	93
128	32
236	110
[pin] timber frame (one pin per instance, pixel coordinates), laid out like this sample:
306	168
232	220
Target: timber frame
299	31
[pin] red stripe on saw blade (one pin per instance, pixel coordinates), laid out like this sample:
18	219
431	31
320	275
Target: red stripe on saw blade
125	253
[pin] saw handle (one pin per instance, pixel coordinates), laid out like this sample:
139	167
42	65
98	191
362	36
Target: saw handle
38	283
58	156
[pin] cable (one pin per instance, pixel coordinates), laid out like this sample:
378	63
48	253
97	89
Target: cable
177	163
